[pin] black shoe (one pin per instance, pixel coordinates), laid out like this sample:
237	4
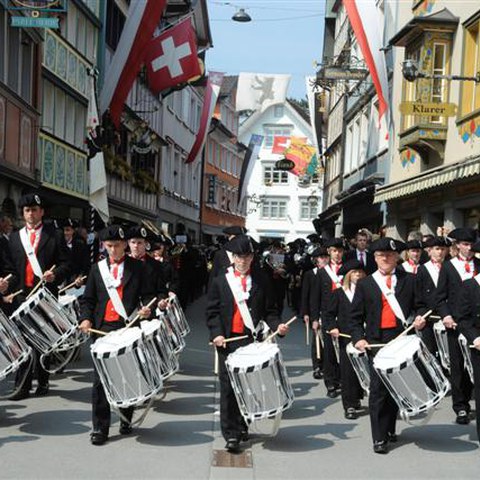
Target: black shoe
317	374
42	390
357	406
244	436
351	414
125	428
332	393
97	437
392	437
380	447
462	418
233	445
20	395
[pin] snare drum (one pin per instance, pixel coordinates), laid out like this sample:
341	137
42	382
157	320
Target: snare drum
126	367
259	380
179	316
359	361
466	355
412	375
13	349
173	329
440	333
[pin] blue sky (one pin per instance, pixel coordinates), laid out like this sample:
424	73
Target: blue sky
284	36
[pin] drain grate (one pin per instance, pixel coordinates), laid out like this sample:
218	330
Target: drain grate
222	458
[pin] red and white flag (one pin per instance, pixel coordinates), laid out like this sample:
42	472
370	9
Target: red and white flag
363	16
280	144
171	58
212	90
142	20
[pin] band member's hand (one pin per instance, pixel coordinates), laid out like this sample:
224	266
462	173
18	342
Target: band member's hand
419	322
335	332
49	276
163	304
476	343
283	329
85	325
361	345
449	322
144	312
79	282
315	325
219	341
172	294
3	285
306	318
8	298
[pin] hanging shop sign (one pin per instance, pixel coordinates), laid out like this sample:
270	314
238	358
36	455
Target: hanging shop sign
284	165
429	109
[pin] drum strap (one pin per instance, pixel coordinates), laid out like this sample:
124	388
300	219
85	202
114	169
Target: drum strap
241	298
111	286
390	296
337	280
230	256
433	271
31	255
477	278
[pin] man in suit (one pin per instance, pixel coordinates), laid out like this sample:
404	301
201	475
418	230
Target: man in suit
361	252
98	310
225	320
46	249
450	283
374	320
78	249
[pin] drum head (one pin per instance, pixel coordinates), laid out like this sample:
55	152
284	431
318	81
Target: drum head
254	354
116	340
66	300
397	352
150	326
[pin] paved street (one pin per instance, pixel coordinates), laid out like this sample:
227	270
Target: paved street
49	437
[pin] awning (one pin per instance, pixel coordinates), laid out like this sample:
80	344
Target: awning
430	179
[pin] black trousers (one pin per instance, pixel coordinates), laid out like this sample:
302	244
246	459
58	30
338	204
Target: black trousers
231	421
459	378
475	354
382	406
352	392
331	368
35	370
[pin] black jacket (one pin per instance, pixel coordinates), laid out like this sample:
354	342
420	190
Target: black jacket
154	275
468	318
79	258
310	289
322	295
426	290
337	315
219	312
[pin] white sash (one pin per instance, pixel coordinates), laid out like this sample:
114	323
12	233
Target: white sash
407	267
240	297
31	255
337	280
111	285
477	278
390	296
433	271
350	294
230	256
460	268
315	270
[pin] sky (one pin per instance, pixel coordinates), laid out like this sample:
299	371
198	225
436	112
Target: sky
284	36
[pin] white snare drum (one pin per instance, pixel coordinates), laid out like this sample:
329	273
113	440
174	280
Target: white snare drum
412	375
359	361
173	329
179	316
124	364
72	308
45	324
440	333
13	349
259	380
466	355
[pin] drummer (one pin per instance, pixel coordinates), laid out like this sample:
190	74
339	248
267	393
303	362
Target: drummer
99	309
47	249
224	320
79	252
373	321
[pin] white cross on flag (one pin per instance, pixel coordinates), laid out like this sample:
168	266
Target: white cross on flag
171	58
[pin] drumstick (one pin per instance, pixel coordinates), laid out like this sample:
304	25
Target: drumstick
8	277
13	295
215	363
98	332
39	284
307	332
71	284
376	345
317	344
275	333
231	339
137	316
344	335
412	326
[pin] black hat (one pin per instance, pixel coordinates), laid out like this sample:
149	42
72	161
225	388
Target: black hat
30	200
319	252
414	244
437	242
241	245
138	232
387	244
353	264
160	240
334	242
234	230
464	234
68	222
314	237
113	232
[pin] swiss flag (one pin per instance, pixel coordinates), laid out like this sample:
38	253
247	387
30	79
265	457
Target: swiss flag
171	58
280	144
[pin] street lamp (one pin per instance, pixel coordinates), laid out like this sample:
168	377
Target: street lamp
411	72
241	16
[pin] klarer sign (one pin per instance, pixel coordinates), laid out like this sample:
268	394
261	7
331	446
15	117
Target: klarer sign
429	109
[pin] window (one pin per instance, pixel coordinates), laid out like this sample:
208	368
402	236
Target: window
308	209
439	86
273	176
275	209
470	100
275	131
115	22
278	111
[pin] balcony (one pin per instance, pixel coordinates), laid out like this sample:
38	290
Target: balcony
341	39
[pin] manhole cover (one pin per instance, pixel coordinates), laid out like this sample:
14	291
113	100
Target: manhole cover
222	458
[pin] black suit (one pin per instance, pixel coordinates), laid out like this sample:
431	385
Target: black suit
220	263
79	258
365	323
136	288
6	268
219	314
469	324
447	301
154	276
370	265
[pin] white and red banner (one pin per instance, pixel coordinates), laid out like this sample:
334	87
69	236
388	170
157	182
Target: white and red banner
212	90
280	144
171	58
363	16
142	20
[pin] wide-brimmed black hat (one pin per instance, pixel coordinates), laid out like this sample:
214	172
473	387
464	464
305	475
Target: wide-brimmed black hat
234	230
464	234
387	244
68	222
31	200
334	242
113	232
138	231
437	242
353	264
414	244
241	245
319	252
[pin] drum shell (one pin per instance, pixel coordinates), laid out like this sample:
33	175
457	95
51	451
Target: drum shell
462	341
361	366
441	338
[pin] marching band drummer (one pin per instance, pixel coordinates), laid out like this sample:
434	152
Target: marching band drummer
469	324
34	250
159	252
79	252
107	309
381	304
237	300
414	252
